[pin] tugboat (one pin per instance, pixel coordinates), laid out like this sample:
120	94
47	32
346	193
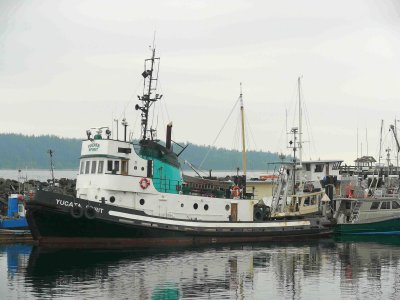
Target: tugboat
135	195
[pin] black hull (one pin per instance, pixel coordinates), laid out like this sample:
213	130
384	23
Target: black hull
57	225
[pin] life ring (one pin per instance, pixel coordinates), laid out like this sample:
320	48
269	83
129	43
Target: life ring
144	183
76	212
236	191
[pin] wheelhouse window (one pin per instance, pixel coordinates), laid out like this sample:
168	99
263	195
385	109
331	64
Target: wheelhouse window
94	166
319	168
116	165
82	167
395	205
375	205
306	201
109	165
87	167
101	167
385	205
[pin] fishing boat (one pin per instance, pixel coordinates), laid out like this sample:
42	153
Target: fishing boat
134	195
300	187
368	205
368	202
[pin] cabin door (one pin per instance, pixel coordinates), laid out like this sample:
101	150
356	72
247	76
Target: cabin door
234	210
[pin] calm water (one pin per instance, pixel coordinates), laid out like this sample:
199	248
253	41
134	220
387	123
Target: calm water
315	270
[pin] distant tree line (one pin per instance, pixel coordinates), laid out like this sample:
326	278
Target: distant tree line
19	151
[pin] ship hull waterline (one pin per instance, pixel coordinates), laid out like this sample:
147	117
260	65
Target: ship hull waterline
385	227
53	223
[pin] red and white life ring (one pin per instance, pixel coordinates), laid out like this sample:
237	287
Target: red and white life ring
144	183
236	191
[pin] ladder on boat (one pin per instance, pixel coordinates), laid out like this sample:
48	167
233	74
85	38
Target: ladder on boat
280	191
356	211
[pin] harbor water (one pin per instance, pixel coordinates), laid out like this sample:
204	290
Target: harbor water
367	268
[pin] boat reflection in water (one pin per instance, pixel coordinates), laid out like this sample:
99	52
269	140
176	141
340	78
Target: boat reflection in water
328	269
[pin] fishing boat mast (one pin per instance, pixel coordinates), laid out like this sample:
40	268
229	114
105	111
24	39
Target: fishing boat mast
149	97
243	136
300	133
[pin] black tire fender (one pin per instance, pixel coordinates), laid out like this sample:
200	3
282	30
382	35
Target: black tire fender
76	212
90	212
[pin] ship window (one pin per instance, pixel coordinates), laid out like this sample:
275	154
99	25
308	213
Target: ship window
205	206
94	165
109	165
385	205
195	206
141	201
87	167
395	205
116	165
308	167
82	167
306	201
112	199
375	205
313	200
135	167
101	167
319	168
227	207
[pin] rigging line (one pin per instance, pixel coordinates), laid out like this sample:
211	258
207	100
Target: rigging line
309	129
163	102
249	130
209	148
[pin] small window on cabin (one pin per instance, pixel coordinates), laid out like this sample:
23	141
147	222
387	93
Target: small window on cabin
319	168
385	205
116	165
306	201
87	167
395	205
82	167
109	165
101	167
308	167
313	200
94	165
375	205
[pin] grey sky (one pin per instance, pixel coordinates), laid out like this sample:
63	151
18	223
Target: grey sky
66	66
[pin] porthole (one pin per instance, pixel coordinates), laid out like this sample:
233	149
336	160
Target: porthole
142	168
227	207
135	168
141	201
182	205
205	206
112	199
195	206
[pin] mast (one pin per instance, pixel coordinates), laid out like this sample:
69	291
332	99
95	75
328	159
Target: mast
243	136
300	133
380	144
149	97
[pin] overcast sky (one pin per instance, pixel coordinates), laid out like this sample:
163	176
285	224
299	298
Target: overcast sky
66	66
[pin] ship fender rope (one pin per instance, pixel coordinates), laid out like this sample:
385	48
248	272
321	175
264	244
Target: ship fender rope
144	183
